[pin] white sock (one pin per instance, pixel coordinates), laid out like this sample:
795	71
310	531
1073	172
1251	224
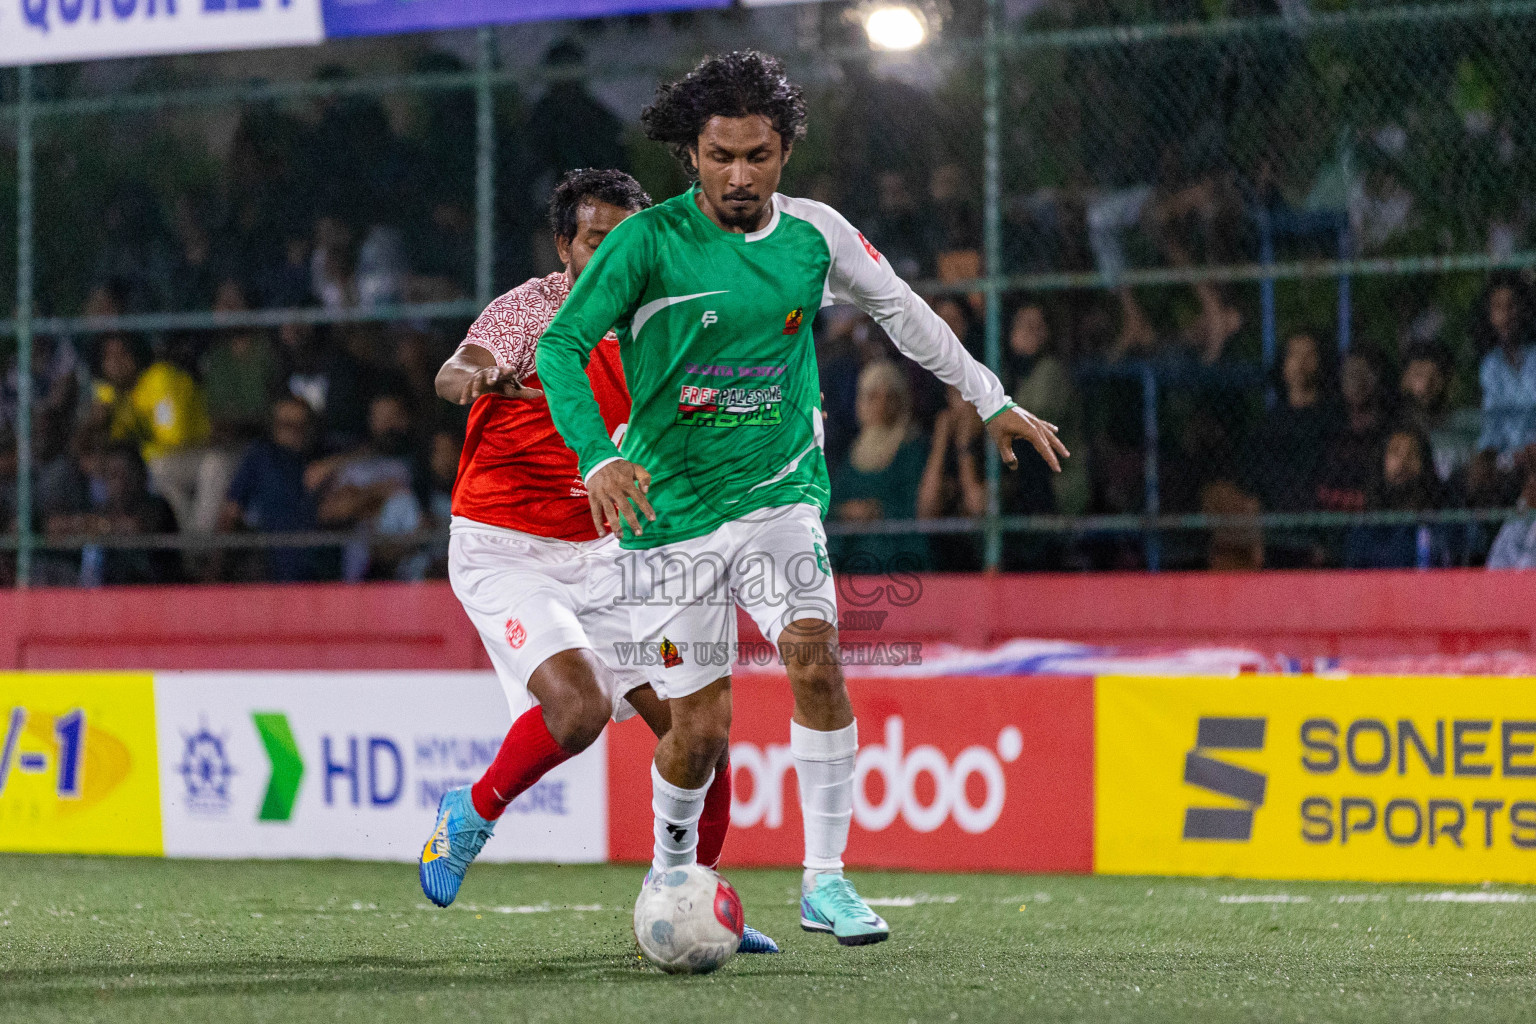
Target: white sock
677	813
824	767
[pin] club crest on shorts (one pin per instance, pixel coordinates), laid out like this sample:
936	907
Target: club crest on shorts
516	634
793	321
670	658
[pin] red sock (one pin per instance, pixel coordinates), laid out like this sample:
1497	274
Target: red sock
716	818
528	752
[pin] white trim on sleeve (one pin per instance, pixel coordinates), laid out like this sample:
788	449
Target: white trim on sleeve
600	465
860	275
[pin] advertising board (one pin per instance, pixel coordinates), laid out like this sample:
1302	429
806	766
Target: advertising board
77	763
351	765
52	31
1307	777
959	773
374	17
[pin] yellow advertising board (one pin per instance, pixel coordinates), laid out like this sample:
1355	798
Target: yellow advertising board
78	765
1301	777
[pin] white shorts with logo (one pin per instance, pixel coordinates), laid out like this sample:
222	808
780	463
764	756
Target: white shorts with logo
683	596
531	597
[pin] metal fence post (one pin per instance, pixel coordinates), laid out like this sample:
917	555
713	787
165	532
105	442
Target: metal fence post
1346	312
485	167
992	242
1150	536
24	533
1267	327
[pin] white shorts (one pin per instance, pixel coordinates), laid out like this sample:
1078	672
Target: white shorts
683	596
532	597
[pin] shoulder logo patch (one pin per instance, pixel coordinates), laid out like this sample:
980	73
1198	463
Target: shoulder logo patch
793	321
874	253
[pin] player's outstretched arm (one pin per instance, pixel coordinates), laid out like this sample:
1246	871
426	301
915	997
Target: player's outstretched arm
860	275
472	371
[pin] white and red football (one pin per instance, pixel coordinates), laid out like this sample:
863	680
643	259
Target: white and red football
688	920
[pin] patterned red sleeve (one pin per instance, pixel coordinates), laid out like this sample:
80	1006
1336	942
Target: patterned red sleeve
511	325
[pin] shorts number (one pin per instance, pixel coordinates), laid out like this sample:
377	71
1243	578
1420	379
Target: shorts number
821	559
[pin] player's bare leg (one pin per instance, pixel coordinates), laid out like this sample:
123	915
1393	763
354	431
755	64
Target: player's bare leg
824	741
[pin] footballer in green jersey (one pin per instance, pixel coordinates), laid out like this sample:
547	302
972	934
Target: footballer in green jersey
712	294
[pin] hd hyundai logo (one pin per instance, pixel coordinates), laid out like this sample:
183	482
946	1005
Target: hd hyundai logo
1232	824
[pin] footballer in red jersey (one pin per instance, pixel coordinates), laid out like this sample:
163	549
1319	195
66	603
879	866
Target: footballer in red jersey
525	558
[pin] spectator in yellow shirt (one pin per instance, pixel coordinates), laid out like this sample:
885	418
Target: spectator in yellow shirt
160	408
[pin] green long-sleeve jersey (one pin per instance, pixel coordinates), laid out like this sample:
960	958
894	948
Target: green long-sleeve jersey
714	331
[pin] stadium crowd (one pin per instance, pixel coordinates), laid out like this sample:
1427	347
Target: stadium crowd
335	427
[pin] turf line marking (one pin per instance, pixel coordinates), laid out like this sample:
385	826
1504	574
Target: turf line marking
541	908
1276	898
1469	897
910	901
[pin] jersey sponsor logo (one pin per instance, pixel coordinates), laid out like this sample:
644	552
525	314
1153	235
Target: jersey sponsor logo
713	370
874	253
709	317
709	370
793	321
516	634
729	407
670	658
650	309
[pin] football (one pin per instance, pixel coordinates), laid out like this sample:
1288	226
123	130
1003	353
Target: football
688	920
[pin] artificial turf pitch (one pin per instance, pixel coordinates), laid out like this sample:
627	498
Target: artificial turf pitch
150	940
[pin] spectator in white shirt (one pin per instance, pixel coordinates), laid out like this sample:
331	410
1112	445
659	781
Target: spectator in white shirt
1508	372
1515	546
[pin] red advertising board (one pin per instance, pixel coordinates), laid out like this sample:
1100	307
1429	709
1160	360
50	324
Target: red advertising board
956	773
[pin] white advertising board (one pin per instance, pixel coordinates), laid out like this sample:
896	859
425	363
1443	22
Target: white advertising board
52	31
351	765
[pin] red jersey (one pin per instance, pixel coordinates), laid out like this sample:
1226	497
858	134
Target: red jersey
516	471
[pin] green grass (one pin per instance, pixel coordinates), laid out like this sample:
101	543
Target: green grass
130	940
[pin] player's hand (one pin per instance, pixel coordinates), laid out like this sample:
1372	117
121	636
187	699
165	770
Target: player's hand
493	380
614	492
1016	424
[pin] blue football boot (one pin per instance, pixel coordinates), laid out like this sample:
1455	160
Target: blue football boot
456	841
754	941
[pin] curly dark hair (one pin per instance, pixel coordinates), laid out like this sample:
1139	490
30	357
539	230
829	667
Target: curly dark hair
736	84
587	185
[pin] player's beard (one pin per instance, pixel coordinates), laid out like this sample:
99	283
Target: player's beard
743	218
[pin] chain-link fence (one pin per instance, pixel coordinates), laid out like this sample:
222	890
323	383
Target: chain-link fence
1244	258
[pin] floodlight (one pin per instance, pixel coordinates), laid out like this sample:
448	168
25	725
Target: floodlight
895	26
